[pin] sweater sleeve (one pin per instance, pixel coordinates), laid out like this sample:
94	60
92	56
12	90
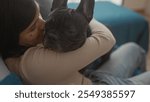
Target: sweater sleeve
38	65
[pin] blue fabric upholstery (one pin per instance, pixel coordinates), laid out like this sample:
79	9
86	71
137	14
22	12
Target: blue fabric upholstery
11	79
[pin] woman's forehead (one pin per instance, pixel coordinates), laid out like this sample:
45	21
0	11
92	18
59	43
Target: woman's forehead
36	17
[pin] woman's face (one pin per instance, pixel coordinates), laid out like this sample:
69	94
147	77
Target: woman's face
33	34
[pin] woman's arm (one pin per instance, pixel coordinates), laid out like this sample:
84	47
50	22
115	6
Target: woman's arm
39	64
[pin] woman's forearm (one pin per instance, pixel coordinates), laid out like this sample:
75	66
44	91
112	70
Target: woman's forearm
103	35
97	27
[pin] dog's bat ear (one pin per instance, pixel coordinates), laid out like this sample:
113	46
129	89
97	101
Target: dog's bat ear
58	4
86	8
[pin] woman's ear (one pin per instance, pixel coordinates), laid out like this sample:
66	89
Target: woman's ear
59	3
86	8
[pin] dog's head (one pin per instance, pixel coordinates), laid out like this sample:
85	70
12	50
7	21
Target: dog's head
66	28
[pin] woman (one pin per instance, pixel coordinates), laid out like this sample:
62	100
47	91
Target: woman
22	31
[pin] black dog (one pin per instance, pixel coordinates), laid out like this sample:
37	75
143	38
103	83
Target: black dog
67	29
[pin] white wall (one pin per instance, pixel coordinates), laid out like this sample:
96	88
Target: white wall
118	2
73	0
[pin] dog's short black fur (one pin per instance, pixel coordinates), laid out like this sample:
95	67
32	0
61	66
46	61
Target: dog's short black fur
67	29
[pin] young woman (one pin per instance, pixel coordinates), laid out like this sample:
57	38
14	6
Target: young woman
21	34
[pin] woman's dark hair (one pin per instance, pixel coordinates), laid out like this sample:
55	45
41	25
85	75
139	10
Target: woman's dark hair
65	30
16	16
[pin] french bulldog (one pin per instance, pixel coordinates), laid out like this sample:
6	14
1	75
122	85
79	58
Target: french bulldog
66	29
